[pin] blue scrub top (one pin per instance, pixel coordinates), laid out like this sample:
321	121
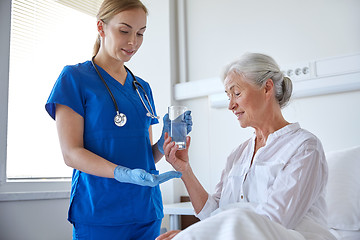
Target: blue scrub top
105	201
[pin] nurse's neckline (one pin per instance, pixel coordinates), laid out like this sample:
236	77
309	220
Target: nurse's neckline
119	73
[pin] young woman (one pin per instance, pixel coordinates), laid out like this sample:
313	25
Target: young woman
104	116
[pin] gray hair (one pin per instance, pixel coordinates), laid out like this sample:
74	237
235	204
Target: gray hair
257	68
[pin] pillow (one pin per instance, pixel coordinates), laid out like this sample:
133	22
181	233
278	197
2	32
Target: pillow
343	189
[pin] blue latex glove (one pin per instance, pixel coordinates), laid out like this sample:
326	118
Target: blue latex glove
166	128
141	177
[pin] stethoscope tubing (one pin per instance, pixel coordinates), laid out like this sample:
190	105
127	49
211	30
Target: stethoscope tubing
136	84
107	87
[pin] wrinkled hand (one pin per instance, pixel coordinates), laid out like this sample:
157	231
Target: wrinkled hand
168	235
178	159
166	128
141	177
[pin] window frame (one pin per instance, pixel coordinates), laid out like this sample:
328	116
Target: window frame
22	189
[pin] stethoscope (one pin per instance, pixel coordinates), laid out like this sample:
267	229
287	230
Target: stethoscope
120	119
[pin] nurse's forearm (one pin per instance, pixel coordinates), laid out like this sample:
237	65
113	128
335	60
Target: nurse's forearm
88	162
197	193
70	126
156	153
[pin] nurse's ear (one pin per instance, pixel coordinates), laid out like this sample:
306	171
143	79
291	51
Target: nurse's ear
100	28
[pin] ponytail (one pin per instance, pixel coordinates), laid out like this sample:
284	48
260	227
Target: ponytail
96	45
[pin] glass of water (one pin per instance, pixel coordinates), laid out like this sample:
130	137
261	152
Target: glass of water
178	128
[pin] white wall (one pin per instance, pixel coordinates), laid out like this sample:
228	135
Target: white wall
34	220
291	32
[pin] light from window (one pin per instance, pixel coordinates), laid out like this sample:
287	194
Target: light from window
45	36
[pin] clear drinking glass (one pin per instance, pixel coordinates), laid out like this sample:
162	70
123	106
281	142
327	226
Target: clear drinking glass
178	128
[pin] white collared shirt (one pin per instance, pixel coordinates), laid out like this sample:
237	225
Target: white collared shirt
286	181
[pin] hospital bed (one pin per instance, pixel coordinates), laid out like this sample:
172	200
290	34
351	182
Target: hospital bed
343	200
343	193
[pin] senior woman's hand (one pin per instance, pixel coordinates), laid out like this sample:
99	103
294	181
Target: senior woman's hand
178	159
168	235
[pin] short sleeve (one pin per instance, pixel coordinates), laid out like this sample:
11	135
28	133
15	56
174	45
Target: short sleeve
66	91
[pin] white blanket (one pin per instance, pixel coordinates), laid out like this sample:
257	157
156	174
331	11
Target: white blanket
240	223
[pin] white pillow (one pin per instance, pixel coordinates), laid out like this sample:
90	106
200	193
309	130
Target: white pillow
343	189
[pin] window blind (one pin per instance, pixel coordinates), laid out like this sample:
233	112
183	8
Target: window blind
46	35
87	7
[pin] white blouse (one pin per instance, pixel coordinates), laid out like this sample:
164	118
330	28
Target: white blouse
286	181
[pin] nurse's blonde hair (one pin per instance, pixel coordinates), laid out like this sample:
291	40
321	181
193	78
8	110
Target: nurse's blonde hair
109	8
258	68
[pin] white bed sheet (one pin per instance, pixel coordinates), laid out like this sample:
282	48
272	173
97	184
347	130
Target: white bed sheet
346	235
240	223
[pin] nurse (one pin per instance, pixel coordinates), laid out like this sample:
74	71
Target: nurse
115	185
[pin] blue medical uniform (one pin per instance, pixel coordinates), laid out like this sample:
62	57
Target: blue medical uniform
104	201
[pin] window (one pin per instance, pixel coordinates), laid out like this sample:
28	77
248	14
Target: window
45	36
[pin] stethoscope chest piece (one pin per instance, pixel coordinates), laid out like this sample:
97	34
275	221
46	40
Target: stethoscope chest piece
120	119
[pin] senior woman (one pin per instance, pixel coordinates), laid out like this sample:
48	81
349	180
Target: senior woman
275	180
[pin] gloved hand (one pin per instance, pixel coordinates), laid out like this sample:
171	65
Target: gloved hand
141	177
166	128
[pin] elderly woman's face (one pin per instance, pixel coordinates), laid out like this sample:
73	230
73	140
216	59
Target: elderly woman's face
246	101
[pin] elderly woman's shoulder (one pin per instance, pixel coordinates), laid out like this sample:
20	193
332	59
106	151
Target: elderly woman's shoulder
307	139
306	134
